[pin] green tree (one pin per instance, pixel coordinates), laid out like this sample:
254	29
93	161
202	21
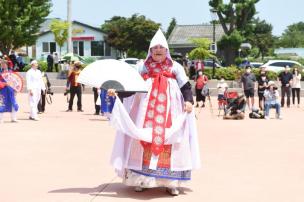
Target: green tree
171	27
20	21
60	31
202	51
234	17
130	35
261	37
293	36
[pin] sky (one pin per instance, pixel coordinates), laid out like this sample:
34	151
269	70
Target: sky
279	13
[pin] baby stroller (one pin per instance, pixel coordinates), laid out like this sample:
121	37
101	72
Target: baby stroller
229	97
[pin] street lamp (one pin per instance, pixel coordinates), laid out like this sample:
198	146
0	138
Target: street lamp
214	19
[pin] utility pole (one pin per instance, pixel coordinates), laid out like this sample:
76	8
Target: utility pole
69	19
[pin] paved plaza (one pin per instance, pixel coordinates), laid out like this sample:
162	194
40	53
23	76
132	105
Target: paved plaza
64	157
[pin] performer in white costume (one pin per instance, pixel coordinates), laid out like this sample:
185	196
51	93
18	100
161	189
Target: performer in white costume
156	142
35	84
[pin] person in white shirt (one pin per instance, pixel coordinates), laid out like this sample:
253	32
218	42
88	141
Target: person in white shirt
56	61
221	89
35	84
296	86
271	95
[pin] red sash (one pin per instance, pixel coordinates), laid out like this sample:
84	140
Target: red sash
157	105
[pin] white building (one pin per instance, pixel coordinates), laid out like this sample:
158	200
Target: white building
88	42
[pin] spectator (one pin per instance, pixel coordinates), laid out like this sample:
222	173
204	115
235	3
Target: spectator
296	86
20	62
201	81
236	109
272	100
199	65
56	61
50	62
262	85
47	84
222	87
75	88
96	92
286	79
13	58
248	82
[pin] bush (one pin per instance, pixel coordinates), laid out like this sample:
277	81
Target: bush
228	73
41	64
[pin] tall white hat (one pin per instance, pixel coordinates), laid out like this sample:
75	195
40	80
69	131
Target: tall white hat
159	39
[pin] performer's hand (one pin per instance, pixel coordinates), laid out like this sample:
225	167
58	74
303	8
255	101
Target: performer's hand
188	107
112	92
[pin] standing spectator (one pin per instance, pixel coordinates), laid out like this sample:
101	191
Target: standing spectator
47	84
75	88
9	62
96	92
50	62
20	62
35	84
248	82
272	100
199	65
262	85
286	79
222	87
201	81
296	85
13	58
56	61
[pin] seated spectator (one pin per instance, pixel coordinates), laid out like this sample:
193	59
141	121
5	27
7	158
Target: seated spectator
271	95
236	109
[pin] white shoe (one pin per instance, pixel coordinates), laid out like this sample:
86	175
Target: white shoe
266	117
173	191
14	120
138	189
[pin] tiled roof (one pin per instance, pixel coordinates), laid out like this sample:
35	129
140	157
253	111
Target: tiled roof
182	34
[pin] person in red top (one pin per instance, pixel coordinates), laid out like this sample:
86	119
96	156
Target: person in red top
75	88
200	80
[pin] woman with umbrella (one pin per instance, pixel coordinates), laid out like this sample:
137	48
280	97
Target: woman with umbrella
156	156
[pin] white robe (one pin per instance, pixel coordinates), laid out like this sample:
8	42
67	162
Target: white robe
34	84
128	120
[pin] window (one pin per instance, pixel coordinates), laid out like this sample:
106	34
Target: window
78	48
97	48
45	47
48	47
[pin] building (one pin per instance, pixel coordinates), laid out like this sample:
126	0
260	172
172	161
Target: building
88	41
180	37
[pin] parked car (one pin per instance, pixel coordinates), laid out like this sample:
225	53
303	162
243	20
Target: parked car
130	61
279	65
256	64
209	64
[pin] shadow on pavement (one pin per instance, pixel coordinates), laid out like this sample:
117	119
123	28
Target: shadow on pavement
119	190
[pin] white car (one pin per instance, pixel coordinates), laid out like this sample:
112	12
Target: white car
279	65
131	61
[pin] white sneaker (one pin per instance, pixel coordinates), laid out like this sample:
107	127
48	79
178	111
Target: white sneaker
138	189
266	117
14	120
173	191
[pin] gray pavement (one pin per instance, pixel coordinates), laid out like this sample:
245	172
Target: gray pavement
64	157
